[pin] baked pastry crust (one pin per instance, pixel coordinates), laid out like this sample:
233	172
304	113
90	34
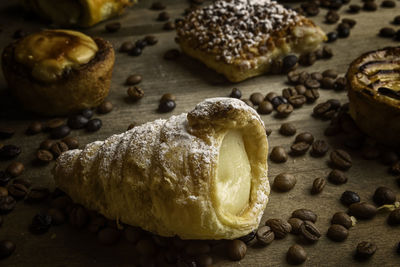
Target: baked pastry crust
163	175
241	39
374	94
78	88
80	13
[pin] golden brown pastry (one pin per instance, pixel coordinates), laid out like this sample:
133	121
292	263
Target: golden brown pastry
56	72
241	38
374	93
201	175
80	13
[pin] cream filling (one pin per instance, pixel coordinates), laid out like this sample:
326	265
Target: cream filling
233	178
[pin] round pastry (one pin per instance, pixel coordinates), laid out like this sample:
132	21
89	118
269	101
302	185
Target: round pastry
374	94
56	72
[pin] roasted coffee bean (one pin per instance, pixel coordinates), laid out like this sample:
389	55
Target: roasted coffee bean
362	210
278	100
284	110
284	182
337	233
249	237
34	128
38	194
268	132
57	216
133	79
342	219
265	107
317	76
330	73
71	142
8	152
256	98
113	26
365	250
6	132
309	231
3	192
15	169
270	96
287	129
135	93
303	77
388	4
167	97
5	177
7	248
57	148
389	157
276	66
7	204
288	92
236	93
293	77
320	55
278	154
163	16
54	123
169	26
337	177
340	84
350	22
108	236
289	63
305	215
354	8
140	44
341	159
297	101
394	217
307	59
172	54
236	249
26	182
280	227
61	131
166	106
136	51
332	17
197	248
395	168
327	52
126	47
203	260
319	148
343	32
93	125
396	20
76	122
18	191
370	6
105	107
78	217
265	235
384	195
322	108
305	137
296	255
318	186
46	144
312	95
387	32
44	156
87	113
151	39
41	223
295	223
332	37
349	197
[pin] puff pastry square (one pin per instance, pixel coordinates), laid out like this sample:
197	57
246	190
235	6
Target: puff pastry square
241	38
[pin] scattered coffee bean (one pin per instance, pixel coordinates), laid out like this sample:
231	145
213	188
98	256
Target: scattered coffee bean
105	107
309	231
296	255
54	123
284	110
342	219
337	177
8	152
270	96
288	92
87	113
203	260
365	250
388	4
332	37
76	122
7	248
394	217
151	39
287	129
236	249
319	148
34	128
327	52
330	73
136	51
349	197
265	107
26	182
332	17
78	217
126	46
305	215
6	132
15	169
169	26
256	98
163	16
7	204
289	63
108	236
268	132
340	159
3	192
362	210
38	194
395	168
284	182
350	22
318	186
57	216
166	106
354	8
5	177
312	95
93	125
44	156
278	154
113	26
387	32
265	235
384	195
41	223
337	233
298	149
249	237
278	100
135	93
305	137
57	148
295	223
18	191
61	131
297	101
280	227
46	144
71	142
370	6
133	79
236	93
396	20
167	97
307	59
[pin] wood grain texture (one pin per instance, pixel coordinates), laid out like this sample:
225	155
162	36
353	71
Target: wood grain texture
192	82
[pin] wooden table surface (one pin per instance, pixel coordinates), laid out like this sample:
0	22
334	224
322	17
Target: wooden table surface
192	82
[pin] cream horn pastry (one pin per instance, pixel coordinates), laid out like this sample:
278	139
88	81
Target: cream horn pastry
78	13
242	38
198	175
373	81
